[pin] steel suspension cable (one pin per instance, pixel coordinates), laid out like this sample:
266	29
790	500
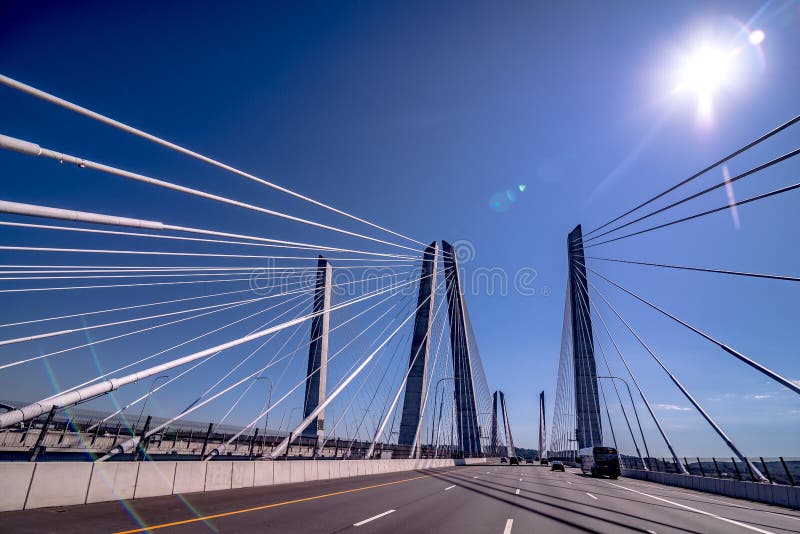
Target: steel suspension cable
30	210
732	446
619	397
728	206
14	84
733	352
32	149
173	347
633	377
714	187
730	156
702	269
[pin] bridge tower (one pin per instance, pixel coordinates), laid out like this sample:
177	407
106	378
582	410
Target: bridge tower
463	381
318	352
416	381
542	429
494	443
510	449
589	432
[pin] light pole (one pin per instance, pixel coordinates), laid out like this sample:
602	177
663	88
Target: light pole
147	398
636	413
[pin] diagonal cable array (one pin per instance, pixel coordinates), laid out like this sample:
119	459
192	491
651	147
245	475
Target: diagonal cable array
623	227
123	312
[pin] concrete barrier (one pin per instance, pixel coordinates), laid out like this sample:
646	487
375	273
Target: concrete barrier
283	472
218	475
16	479
242	475
155	479
778	495
263	473
59	484
324	470
37	485
190	477
112	481
310	470
297	471
335	469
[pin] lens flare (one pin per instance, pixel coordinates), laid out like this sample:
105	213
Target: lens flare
756	37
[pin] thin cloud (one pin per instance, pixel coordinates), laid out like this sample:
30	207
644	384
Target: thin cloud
672	408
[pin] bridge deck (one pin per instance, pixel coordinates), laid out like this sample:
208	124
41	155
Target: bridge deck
484	498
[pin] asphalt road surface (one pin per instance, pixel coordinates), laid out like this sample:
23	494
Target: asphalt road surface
497	499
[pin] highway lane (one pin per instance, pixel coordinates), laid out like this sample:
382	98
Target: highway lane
492	499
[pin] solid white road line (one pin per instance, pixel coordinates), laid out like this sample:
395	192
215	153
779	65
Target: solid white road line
590	495
696	510
450	487
509	524
516	492
373	518
568	482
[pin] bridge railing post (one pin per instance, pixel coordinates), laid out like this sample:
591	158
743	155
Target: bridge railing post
716	466
736	468
750	469
700	465
788	473
252	444
766	470
205	440
37	448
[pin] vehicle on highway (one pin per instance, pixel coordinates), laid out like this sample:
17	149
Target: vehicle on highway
600	461
513	460
557	466
544	461
528	460
504	460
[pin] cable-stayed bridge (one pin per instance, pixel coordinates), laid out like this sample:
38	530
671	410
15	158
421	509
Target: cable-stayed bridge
295	379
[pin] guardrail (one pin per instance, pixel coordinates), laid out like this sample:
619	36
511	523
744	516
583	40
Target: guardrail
778	470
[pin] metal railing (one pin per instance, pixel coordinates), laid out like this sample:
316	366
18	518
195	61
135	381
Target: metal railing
778	470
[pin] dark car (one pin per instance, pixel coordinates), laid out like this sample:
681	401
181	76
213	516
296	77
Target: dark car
557	466
513	460
503	460
544	461
528	460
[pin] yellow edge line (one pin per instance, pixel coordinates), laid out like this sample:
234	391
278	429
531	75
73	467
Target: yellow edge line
266	506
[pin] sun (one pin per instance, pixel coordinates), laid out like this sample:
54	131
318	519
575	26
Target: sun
704	73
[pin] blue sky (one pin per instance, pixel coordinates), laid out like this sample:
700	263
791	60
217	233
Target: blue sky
416	117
